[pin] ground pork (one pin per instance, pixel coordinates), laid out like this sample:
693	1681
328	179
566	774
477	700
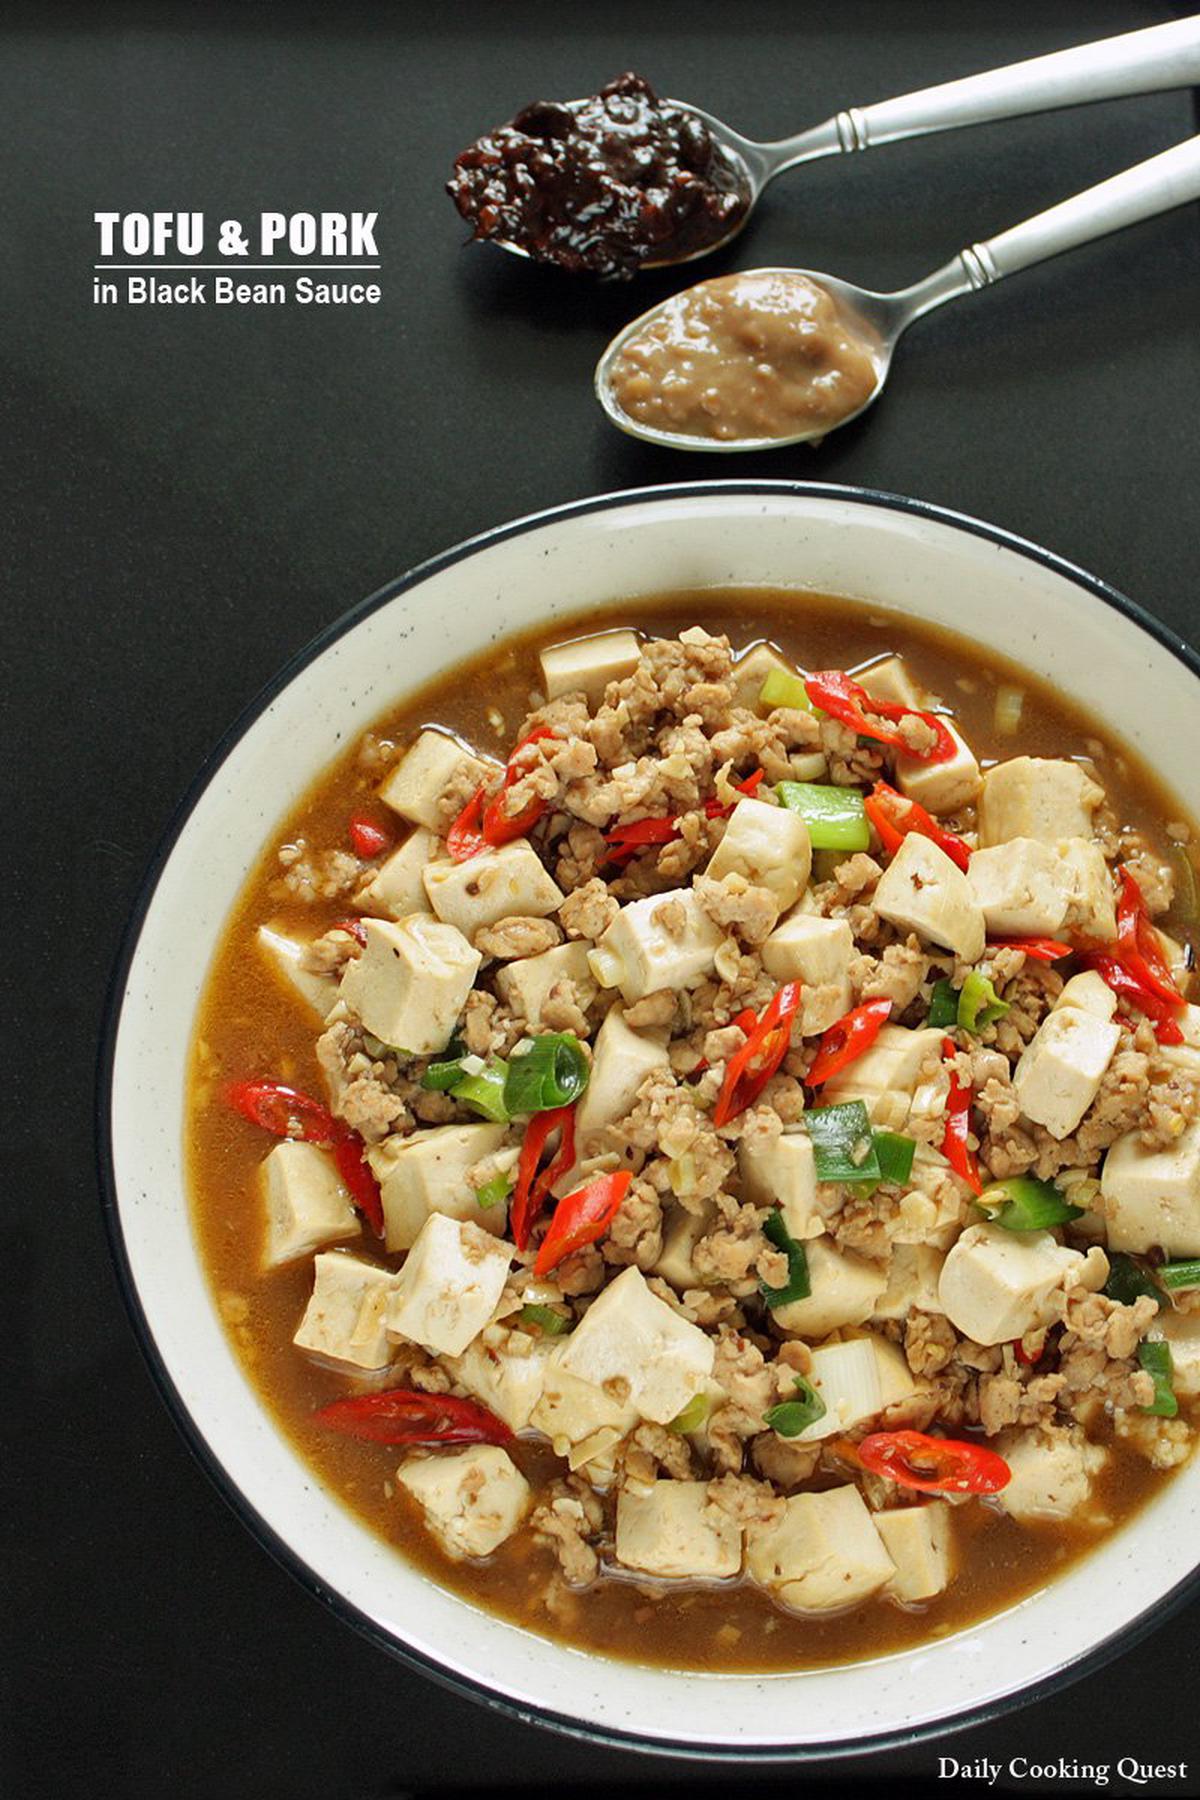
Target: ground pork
1171	1102
1004	1399
652	1010
568	1008
651	1448
329	954
929	1342
1155	877
314	875
746	1501
897	975
666	1119
517	936
1165	1443
783	1462
588	911
736	1249
570	1519
736	905
635	1235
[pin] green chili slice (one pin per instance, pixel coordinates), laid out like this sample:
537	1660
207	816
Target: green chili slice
835	816
943	1005
1179	1275
1023	1203
1155	1357
553	1072
546	1319
978	1003
843	1142
791	1417
1128	1280
693	1415
781	688
797	1285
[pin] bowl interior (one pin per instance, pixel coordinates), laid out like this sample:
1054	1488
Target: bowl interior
896	554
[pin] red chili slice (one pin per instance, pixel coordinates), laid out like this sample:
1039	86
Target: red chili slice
933	1465
955	1148
894	816
749	787
847	1038
1022	1355
580	1218
287	1113
1161	1014
531	1190
627	841
750	1068
400	1416
483	822
465	837
1041	949
368	839
1138	948
355	928
834	693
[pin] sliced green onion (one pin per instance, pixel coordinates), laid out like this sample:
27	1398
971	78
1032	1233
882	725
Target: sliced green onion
895	1155
782	689
943	1005
484	1093
1128	1280
1179	1275
546	1319
1155	1358
494	1191
1010	703
552	1072
791	1417
1187	893
692	1417
835	816
442	1076
843	1142
1023	1203
978	1003
797	1285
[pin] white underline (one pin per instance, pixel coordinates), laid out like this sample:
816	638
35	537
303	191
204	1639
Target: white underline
242	268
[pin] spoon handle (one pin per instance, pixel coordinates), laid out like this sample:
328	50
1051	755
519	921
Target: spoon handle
1137	62
1170	179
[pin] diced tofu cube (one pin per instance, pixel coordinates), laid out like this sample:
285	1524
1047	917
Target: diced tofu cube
344	1316
888	1075
286	957
449	1285
397	887
632	1344
525	985
1090	992
845	1289
427	1173
305	1202
941	787
890	680
1052	1472
751	670
1182	1332
1091	900
769	846
672	1529
582	1421
1061	1068
1020	888
1037	797
682	1231
1152	1197
587	665
822	1554
472	1499
621	1061
912	1286
411	982
782	1172
494	885
817	953
996	1285
663	941
848	1378
507	1376
919	1540
435	763
921	890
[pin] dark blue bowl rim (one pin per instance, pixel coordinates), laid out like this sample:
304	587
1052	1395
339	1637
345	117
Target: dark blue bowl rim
1119	1643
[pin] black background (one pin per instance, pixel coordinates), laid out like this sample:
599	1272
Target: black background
189	495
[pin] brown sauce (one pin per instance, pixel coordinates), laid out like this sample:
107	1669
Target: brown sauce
765	354
249	1024
603	184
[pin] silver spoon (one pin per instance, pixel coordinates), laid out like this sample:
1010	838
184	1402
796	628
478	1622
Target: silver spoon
1137	62
880	320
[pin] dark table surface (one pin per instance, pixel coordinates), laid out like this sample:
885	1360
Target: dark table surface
189	495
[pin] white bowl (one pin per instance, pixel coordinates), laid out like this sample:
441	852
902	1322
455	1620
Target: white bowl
1095	645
